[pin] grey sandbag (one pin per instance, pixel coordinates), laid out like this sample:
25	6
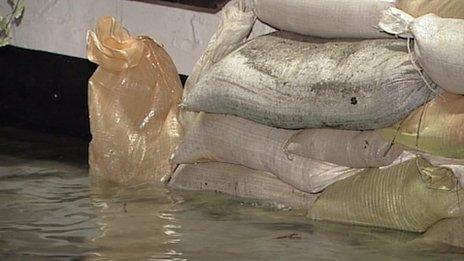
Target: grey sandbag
356	149
239	181
448	231
411	196
226	138
292	81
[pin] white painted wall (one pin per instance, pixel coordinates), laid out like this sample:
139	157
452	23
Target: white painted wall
60	26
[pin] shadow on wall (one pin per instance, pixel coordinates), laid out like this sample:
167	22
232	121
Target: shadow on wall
209	6
46	92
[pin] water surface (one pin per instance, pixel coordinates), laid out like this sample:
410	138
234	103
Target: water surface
49	209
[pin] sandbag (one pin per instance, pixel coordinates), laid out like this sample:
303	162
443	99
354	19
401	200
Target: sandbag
236	24
448	231
411	196
133	106
442	8
225	138
239	181
456	165
290	81
441	130
325	18
438	45
355	149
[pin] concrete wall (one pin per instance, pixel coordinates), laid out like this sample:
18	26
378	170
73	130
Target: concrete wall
60	26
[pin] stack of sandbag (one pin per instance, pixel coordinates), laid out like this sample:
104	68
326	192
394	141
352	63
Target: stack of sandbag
333	108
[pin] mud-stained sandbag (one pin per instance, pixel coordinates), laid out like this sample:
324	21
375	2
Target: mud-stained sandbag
448	231
133	105
325	18
411	196
442	8
291	81
355	149
239	181
441	130
226	138
438	45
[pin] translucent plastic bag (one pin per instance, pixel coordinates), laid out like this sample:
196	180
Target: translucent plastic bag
133	106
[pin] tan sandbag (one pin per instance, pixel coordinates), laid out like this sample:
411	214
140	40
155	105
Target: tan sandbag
133	106
325	18
438	45
356	149
411	196
443	8
226	138
441	130
448	231
456	165
239	181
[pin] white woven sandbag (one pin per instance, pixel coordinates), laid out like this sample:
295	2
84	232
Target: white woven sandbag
226	138
325	18
356	149
239	181
292	81
439	45
237	21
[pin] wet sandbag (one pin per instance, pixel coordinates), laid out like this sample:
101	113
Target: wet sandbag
226	138
325	18
441	130
411	196
448	231
239	181
438	45
356	149
442	8
133	105
290	81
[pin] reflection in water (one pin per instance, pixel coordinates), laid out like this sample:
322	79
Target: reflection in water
49	209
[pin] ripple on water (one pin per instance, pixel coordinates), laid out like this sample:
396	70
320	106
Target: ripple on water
50	210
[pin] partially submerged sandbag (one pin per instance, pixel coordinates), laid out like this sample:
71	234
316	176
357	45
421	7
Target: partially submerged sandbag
356	149
448	231
443	8
290	81
133	105
411	196
226	138
239	181
440	125
438	45
325	18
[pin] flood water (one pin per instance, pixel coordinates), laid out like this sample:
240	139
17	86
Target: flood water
49	210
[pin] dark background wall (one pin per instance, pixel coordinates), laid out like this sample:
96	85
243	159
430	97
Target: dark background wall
44	92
